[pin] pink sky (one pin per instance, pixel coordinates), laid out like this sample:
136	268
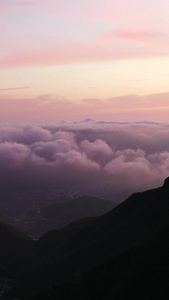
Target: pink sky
55	54
50	109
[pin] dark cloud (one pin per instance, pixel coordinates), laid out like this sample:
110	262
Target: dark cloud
105	159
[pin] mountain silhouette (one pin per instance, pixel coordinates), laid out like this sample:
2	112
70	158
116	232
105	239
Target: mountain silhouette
60	214
70	211
13	244
123	254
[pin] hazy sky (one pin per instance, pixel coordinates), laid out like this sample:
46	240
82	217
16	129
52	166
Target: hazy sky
74	59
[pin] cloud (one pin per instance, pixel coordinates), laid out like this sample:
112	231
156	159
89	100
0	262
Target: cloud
58	48
15	88
98	150
76	53
12	154
63	143
110	159
133	36
49	109
24	135
133	80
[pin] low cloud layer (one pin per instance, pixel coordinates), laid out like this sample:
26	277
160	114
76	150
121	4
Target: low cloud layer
103	159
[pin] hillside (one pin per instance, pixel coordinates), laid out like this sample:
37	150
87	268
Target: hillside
13	246
123	254
64	213
36	213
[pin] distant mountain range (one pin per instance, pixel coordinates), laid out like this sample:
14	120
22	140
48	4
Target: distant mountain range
93	121
123	254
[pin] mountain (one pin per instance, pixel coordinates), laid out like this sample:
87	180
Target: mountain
88	120
123	254
40	210
13	244
64	213
60	214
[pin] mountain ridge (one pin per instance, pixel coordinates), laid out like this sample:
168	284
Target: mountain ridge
106	257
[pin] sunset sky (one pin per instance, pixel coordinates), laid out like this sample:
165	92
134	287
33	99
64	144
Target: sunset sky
73	59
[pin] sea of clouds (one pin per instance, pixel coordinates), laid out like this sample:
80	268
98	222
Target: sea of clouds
112	160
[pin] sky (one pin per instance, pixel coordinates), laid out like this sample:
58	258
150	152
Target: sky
71	60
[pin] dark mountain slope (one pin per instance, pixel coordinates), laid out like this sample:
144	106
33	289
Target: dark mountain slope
60	214
13	244
108	257
140	272
77	208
